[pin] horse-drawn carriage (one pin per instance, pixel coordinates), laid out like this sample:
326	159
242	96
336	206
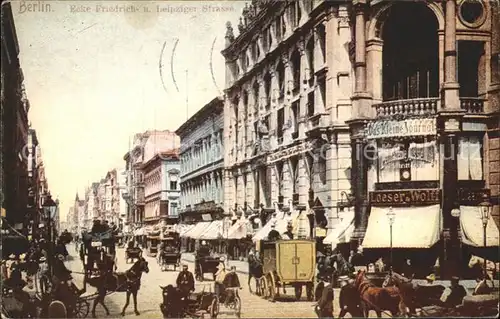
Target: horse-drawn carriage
288	262
206	264
171	253
196	305
132	253
485	306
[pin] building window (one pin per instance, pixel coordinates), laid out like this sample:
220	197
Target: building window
173	185
322	167
295	60
279	177
280	72
173	209
322	90
322	40
310	58
244	61
281	122
310	104
470	158
267	87
279	28
255	89
412	160
295	118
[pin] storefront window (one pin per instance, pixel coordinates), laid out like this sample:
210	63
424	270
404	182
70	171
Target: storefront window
415	160
470	158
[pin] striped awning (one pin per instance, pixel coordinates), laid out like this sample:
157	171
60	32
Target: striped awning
197	230
213	231
239	229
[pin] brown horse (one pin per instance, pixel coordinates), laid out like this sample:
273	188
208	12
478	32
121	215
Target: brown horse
413	295
128	281
376	298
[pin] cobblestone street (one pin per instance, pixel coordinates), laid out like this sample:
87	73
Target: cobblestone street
149	297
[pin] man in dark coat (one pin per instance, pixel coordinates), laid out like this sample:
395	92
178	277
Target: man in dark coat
231	281
185	281
324	308
456	293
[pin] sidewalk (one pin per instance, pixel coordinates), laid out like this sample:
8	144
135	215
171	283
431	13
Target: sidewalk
241	266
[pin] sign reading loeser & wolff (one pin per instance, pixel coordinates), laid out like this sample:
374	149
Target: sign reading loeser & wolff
409	127
405	197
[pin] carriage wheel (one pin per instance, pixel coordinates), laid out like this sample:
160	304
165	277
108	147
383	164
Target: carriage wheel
263	287
57	309
214	308
200	273
237	306
298	291
272	287
309	291
82	308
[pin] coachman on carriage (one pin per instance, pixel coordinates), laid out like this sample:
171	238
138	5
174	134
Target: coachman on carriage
169	252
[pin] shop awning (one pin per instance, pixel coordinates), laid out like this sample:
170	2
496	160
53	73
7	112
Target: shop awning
239	229
281	221
264	231
214	231
183	228
472	230
340	231
301	225
196	230
413	227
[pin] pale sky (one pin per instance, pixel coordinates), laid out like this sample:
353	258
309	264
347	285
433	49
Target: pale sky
93	78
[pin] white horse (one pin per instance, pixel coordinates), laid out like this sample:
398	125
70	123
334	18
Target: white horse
491	267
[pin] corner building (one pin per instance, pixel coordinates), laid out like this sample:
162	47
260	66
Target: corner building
425	130
287	98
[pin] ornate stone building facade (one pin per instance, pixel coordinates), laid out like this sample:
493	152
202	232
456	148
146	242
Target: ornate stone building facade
14	122
424	127
201	153
288	88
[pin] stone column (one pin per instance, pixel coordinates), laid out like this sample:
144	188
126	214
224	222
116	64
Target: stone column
303	90
303	188
250	191
450	88
494	88
239	126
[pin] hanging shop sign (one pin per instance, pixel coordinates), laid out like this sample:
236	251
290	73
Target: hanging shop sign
409	127
423	152
405	197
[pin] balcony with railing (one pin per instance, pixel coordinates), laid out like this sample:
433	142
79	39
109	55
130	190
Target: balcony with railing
472	105
425	106
420	106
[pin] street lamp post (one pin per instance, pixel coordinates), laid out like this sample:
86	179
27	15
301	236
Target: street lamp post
485	208
391	216
50	208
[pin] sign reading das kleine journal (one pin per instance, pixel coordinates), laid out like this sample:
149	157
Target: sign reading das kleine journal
409	127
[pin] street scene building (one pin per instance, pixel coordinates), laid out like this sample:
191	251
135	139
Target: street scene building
349	162
288	96
424	127
23	184
201	156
